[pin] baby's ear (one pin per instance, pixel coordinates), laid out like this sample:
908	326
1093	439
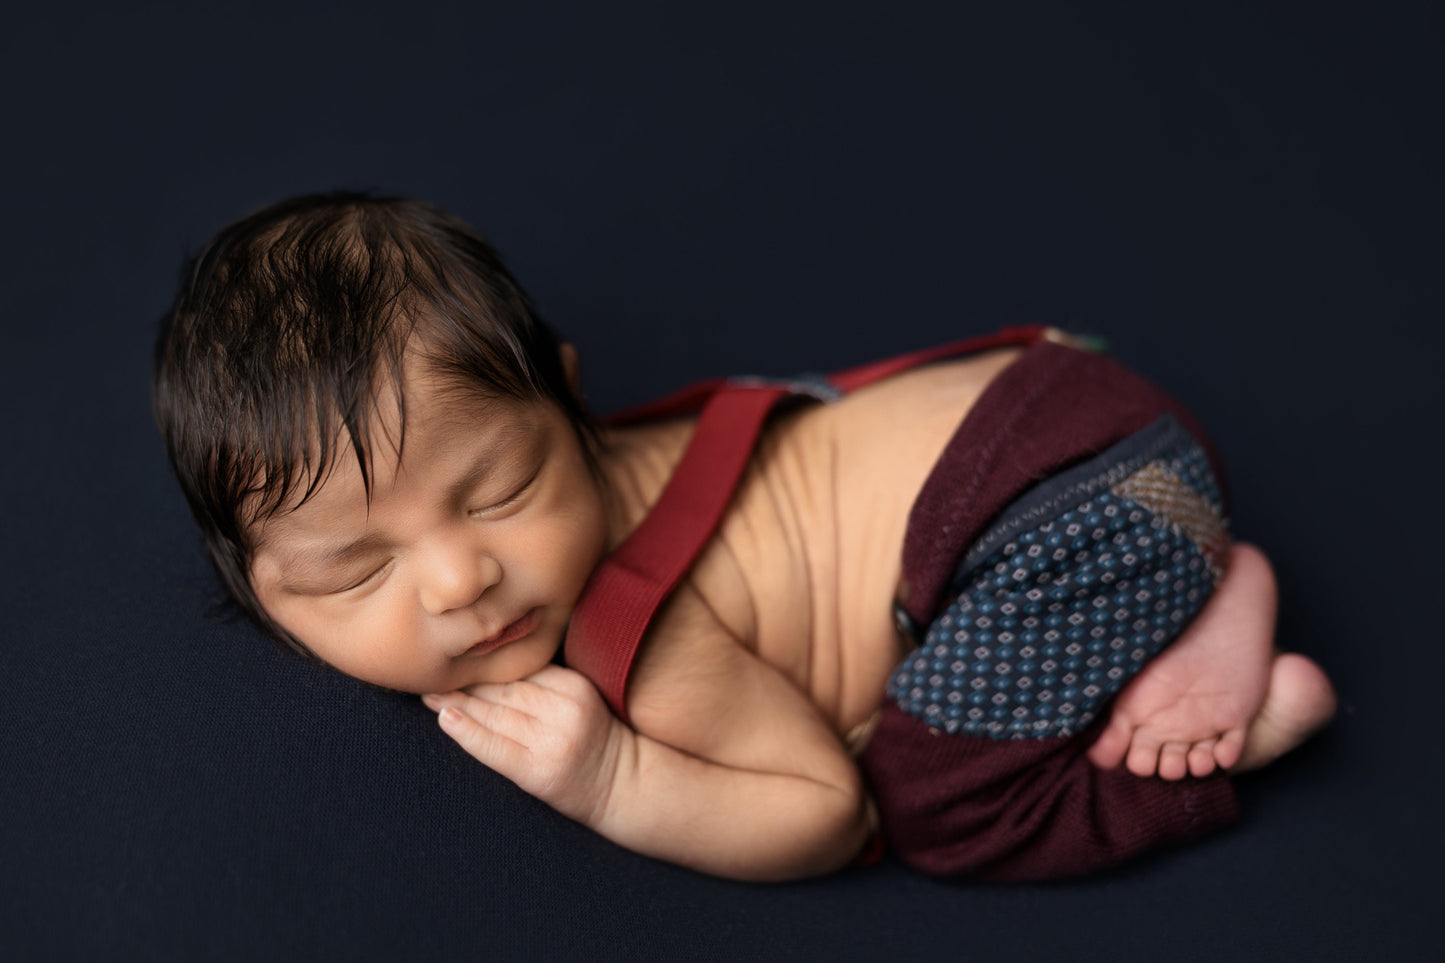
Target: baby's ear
572	367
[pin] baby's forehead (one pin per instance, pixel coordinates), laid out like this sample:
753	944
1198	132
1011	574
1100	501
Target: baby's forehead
443	436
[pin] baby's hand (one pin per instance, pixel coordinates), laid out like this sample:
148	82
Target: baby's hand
549	733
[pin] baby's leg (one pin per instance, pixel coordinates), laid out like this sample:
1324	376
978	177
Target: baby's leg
1220	695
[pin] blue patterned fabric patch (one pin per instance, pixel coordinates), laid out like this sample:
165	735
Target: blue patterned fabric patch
1084	579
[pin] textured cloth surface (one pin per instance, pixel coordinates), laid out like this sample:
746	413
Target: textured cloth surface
1097	572
1036	808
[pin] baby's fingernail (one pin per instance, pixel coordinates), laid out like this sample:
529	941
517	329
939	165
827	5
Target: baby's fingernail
432	700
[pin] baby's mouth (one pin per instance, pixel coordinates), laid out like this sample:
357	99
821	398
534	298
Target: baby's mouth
516	630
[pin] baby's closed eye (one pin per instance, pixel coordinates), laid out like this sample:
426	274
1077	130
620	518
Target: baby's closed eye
369	577
510	499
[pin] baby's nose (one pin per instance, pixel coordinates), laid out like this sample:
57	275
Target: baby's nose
456	572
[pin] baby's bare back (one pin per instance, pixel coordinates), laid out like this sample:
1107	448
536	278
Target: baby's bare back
806	563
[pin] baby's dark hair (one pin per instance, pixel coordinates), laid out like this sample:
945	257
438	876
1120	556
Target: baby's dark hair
287	328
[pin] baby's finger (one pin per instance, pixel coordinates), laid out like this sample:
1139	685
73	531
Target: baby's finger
487	746
559	679
478	708
1173	764
506	720
1201	758
503	719
523	695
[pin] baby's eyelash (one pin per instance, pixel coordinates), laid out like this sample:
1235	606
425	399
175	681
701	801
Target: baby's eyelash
370	576
520	490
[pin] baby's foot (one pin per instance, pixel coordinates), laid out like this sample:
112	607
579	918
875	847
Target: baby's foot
1300	701
1190	709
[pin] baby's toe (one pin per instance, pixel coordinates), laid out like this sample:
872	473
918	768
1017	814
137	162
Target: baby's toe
1143	759
1111	746
1229	748
1201	758
1172	760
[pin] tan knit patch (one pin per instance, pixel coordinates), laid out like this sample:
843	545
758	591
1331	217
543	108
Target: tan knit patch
1165	494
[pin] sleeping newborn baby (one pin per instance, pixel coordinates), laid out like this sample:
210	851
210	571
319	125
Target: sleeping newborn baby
978	605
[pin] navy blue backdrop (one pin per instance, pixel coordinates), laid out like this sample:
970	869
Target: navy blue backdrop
1245	199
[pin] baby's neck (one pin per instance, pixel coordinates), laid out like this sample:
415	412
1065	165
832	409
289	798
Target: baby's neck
635	464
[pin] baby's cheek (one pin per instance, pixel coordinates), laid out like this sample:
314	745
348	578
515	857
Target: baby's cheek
294	619
578	550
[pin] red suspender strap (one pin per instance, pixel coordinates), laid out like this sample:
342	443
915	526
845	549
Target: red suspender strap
630	584
683	402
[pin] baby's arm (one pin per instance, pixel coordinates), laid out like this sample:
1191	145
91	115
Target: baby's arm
731	770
